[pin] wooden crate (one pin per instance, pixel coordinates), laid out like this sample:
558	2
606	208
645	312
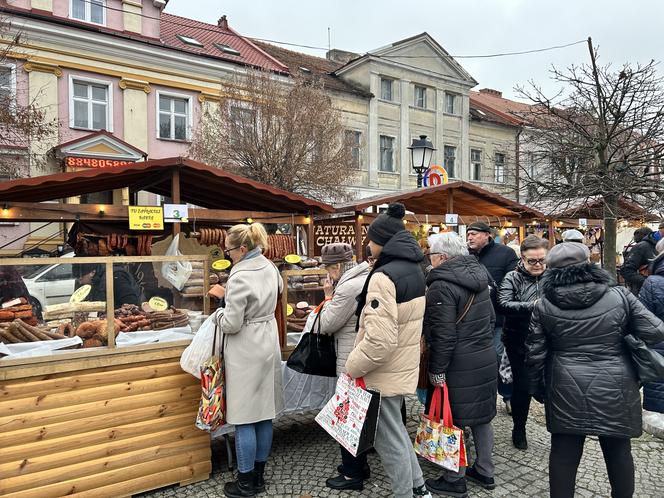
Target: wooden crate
116	426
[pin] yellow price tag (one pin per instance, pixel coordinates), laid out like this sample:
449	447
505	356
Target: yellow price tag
221	264
292	259
80	294
158	303
289	310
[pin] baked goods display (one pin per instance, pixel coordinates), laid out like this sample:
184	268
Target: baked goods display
21	310
19	331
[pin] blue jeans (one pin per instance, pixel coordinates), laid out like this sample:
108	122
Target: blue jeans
252	444
505	390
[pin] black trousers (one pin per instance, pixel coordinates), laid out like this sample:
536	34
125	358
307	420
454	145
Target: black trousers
566	451
520	397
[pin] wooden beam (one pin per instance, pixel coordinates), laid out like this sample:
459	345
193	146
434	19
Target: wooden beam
450	201
359	252
175	196
310	236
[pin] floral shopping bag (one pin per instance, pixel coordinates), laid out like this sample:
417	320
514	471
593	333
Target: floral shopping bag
440	443
212	407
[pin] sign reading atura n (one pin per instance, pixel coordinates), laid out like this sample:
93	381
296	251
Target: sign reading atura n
333	233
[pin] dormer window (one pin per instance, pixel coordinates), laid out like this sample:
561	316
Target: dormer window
92	11
305	69
190	41
228	50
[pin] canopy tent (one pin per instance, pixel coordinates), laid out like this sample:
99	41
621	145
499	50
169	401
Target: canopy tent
591	208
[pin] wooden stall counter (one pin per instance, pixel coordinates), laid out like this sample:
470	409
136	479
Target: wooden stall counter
100	423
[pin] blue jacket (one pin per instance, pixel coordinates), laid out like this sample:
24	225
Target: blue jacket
652	297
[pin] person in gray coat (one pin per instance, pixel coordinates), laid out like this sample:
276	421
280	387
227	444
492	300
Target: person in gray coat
337	317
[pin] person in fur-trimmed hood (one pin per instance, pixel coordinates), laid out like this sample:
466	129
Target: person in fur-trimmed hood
387	347
578	361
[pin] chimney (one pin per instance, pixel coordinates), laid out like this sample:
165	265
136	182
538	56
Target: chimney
340	56
490	91
223	22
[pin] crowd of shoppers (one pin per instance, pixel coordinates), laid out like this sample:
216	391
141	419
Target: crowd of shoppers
560	318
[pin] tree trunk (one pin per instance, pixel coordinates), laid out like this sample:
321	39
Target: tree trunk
610	234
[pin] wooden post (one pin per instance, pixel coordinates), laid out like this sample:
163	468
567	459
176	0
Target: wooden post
175	195
359	251
310	236
450	201
522	233
110	305
552	234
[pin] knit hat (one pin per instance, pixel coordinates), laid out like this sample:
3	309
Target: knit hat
572	236
336	253
564	255
479	226
387	224
661	225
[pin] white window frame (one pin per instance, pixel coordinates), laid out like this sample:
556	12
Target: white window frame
12	78
109	106
473	163
424	99
190	116
88	12
380	155
391	80
454	103
455	157
499	176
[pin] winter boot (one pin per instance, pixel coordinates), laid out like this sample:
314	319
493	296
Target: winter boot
259	481
519	438
243	487
443	487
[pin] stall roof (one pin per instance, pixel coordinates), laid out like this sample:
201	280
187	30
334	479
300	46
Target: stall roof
592	208
200	184
468	200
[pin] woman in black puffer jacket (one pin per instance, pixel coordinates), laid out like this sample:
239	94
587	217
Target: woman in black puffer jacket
516	299
577	358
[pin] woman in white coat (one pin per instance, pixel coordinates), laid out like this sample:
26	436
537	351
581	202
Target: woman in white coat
252	356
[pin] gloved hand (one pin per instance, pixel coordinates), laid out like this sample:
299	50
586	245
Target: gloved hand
437	379
540	395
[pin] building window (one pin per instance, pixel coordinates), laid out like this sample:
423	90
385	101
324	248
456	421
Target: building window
7	84
90	105
386	88
450	159
93	11
174	116
475	164
387	154
353	138
450	103
499	160
420	97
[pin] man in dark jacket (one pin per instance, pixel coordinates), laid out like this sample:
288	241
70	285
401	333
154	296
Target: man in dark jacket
652	297
458	327
634	269
125	288
499	260
516	298
576	350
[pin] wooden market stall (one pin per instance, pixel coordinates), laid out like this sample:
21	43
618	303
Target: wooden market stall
119	420
428	206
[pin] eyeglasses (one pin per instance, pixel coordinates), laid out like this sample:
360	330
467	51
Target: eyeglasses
227	252
534	262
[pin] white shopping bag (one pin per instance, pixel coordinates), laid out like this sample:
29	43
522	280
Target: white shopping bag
200	349
176	272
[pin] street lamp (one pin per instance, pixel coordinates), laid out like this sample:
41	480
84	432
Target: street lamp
420	156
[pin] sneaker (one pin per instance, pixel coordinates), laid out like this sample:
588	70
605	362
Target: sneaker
442	487
519	439
343	482
485	482
508	407
421	492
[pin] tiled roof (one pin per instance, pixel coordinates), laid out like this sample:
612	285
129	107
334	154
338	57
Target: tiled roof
484	113
317	66
514	112
208	35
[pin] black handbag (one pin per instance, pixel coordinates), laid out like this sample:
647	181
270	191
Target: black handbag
648	363
315	353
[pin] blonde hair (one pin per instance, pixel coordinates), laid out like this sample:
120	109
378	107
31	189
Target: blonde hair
249	236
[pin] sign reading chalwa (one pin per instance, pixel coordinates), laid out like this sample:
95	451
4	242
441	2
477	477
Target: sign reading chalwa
91	162
146	218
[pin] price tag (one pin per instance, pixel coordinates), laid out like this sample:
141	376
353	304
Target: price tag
80	294
292	259
289	310
452	219
583	222
221	264
158	304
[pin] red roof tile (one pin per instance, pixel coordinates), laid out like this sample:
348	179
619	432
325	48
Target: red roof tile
208	35
512	111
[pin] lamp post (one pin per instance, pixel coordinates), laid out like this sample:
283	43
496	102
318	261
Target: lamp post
421	152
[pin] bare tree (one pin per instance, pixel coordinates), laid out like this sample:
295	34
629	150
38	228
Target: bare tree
22	121
601	138
281	132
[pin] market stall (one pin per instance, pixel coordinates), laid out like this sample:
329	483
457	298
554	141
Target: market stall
115	417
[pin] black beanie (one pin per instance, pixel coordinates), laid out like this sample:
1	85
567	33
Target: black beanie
387	224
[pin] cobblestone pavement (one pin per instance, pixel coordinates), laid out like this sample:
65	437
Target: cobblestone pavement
303	456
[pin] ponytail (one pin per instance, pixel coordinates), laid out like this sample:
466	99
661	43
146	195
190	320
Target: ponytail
249	236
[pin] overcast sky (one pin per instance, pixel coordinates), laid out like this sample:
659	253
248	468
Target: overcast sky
630	31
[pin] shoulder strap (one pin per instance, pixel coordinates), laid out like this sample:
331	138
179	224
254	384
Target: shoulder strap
466	308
